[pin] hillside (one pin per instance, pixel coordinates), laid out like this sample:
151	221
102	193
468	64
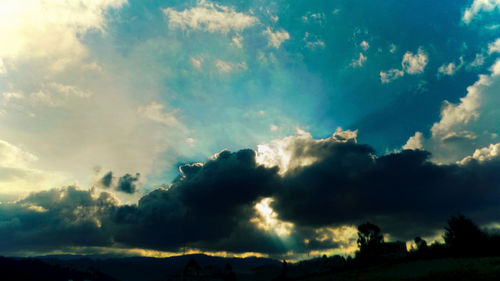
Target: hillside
153	269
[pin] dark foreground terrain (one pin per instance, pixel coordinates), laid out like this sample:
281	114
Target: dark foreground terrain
172	268
77	268
14	269
444	269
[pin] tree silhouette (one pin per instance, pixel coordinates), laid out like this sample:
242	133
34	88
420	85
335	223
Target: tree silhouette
421	244
192	268
370	239
463	236
229	275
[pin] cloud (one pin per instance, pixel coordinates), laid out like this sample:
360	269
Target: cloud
55	94
237	40
228	67
359	62
220	192
317	18
313	42
255	208
450	69
494	47
364	45
467	125
390	75
51	94
127	183
56	218
477	7
190	141
76	107
411	64
415	142
291	152
13	156
196	63
154	112
49	30
392	48
209	17
276	38
477	62
107	179
349	185
263	208
17	175
483	154
414	63
2	67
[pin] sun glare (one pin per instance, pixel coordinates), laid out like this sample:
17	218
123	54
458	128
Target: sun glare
267	219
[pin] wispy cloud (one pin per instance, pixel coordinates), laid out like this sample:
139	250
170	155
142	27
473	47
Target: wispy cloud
276	38
209	17
479	6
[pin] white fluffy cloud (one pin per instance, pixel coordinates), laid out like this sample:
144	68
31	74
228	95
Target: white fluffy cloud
390	75
209	17
415	142
411	64
276	38
466	126
484	154
283	152
414	63
479	6
450	68
494	47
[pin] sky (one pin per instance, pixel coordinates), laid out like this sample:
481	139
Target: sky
267	128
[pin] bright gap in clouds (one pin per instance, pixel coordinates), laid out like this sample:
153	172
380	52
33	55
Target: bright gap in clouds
267	219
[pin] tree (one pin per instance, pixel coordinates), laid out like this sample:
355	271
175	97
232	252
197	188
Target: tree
370	239
192	268
421	244
463	236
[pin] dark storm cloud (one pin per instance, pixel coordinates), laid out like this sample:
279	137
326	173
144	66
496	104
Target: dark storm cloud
56	218
209	206
127	183
403	192
107	179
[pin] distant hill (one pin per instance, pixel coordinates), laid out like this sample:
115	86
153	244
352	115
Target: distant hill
20	269
154	269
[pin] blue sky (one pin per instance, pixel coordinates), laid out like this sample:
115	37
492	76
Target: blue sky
146	86
311	80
